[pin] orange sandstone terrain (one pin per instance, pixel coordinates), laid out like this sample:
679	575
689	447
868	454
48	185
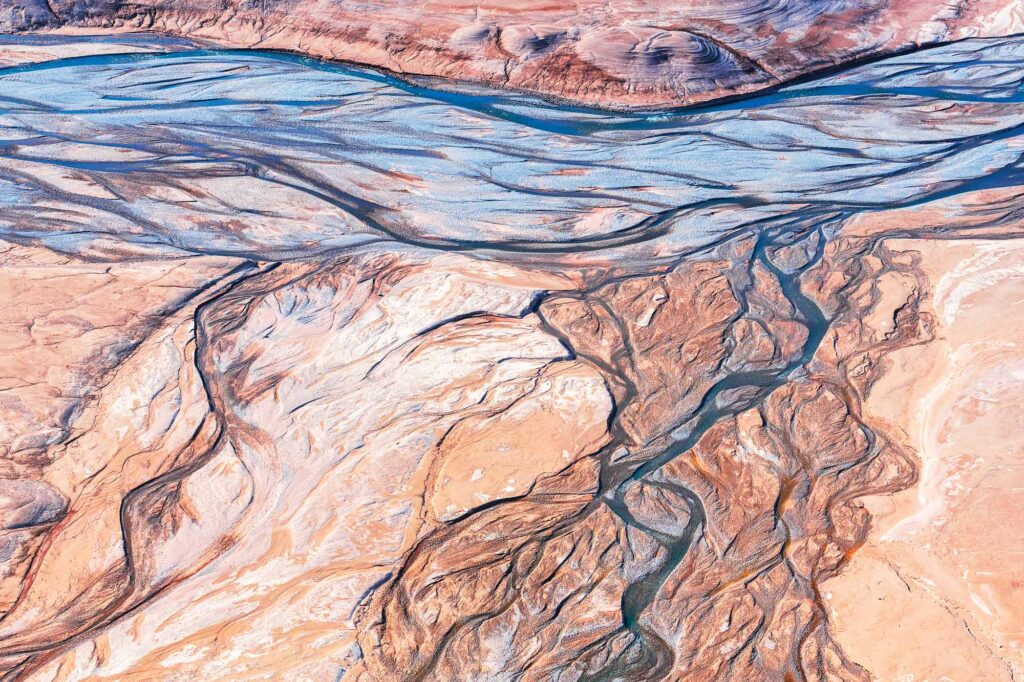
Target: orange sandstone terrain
313	374
944	556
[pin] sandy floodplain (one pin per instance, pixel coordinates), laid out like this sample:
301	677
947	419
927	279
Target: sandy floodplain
935	593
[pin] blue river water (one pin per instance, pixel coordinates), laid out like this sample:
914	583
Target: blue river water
272	156
275	156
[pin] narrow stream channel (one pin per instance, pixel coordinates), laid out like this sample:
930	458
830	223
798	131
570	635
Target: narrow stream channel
271	157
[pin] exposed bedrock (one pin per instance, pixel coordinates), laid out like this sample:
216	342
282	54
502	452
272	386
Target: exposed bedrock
723	498
635	478
620	53
588	398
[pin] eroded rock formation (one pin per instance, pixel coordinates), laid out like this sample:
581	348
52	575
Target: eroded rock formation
625	52
313	375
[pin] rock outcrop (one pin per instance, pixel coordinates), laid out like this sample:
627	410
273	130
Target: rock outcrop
623	53
311	375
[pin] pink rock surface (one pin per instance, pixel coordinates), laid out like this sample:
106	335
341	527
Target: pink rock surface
942	557
787	451
623	53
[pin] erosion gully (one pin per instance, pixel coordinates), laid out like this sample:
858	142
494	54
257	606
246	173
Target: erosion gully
924	169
